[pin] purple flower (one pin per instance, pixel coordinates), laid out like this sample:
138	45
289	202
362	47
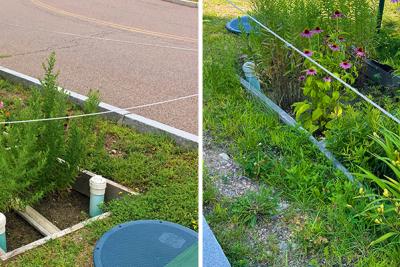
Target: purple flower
360	52
317	30
337	14
311	72
1	104
308	53
302	78
307	33
342	39
327	79
345	65
395	1
334	47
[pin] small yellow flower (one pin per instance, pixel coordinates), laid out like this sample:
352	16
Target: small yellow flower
380	209
386	193
361	191
378	221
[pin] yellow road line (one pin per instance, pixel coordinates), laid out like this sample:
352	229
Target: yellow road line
111	24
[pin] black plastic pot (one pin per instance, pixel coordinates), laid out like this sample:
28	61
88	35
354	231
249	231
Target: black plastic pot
382	74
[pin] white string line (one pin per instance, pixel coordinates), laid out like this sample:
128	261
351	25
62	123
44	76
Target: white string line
317	64
102	38
99	113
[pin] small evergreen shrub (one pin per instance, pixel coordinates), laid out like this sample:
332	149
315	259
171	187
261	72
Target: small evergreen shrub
41	157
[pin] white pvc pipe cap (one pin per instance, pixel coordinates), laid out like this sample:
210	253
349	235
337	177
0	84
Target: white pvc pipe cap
97	185
3	221
248	68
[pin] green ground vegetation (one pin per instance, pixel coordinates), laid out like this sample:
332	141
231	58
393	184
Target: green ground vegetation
330	232
164	174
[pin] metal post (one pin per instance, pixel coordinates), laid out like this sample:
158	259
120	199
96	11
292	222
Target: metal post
380	14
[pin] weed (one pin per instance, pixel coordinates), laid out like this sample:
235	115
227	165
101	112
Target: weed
254	206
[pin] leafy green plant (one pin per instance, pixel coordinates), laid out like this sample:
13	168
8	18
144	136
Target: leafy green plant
254	205
349	136
279	67
325	97
384	206
40	157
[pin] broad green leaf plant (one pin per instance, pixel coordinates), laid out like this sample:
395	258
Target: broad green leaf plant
384	207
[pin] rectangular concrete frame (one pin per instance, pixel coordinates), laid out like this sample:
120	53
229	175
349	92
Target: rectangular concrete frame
125	117
44	226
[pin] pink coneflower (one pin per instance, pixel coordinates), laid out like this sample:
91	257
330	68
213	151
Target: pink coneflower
307	33
341	39
327	79
1	104
337	14
345	65
334	47
360	52
311	72
317	30
302	78
308	53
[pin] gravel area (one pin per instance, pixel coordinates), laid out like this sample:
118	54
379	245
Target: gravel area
275	234
227	175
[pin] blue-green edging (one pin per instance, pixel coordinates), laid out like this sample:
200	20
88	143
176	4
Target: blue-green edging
213	255
287	119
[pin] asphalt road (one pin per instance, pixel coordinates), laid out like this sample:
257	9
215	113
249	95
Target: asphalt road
134	52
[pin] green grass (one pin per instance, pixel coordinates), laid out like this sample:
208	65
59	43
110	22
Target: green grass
389	49
279	156
154	165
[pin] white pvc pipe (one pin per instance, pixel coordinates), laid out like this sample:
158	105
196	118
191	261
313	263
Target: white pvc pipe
250	73
97	192
3	241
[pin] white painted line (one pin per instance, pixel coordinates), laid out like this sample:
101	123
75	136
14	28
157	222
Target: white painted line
102	38
184	3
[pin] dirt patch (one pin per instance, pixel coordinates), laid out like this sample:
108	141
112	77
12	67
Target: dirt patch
64	210
112	147
19	232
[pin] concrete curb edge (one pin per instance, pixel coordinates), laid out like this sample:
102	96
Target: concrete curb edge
124	117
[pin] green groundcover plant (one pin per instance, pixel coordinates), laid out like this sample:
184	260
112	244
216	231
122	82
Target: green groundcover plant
41	157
